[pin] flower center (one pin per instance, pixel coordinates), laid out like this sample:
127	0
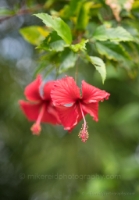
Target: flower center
36	128
83	134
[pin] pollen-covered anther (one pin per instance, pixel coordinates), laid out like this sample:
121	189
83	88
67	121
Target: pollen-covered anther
36	129
83	134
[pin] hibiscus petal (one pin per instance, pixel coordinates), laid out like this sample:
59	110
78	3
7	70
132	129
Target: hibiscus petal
68	116
51	115
93	94
65	91
32	91
30	110
92	109
47	89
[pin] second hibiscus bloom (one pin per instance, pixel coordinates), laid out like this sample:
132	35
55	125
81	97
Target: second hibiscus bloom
39	107
62	103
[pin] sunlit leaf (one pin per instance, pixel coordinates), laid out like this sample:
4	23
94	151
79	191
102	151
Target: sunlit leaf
99	65
58	25
80	46
34	34
135	5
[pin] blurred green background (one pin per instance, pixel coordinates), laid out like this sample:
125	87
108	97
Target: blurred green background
57	165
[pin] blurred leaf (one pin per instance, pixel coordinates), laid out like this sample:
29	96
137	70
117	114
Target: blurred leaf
58	25
74	6
34	34
48	3
83	16
135	5
113	34
68	60
53	43
6	12
99	65
112	51
80	46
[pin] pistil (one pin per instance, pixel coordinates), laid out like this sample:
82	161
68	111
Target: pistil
83	134
36	128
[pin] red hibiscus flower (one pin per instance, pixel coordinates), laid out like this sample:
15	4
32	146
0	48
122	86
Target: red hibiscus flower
39	108
72	106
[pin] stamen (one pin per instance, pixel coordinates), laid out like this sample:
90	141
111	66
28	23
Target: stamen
36	128
83	134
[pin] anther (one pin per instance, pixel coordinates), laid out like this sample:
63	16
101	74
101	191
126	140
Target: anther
83	134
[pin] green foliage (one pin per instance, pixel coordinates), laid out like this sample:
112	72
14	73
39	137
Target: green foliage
99	65
102	33
83	16
53	42
79	46
58	25
34	34
6	12
68	59
112	51
82	26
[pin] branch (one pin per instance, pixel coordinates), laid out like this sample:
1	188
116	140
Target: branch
23	12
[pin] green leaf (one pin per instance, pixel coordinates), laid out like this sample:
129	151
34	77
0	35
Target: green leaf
48	4
34	34
53	43
102	33
80	46
68	60
58	25
6	12
135	5
99	65
112	51
83	16
74	6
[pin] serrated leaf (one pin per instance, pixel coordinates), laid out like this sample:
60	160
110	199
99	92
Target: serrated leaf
34	34
99	65
80	46
58	25
53	43
112	51
113	34
68	60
